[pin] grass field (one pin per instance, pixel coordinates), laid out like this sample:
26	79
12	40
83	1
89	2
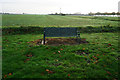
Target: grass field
57	21
100	58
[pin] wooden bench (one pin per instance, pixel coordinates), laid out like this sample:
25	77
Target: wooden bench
61	32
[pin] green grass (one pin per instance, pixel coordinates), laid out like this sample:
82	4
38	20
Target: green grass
64	63
46	61
57	21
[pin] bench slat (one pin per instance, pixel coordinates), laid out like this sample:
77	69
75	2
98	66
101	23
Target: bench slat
60	32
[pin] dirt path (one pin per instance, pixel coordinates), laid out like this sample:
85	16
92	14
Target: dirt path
59	41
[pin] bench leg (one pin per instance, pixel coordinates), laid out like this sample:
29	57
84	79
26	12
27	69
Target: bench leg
78	40
44	39
78	37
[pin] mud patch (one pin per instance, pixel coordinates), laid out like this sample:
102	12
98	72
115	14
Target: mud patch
59	41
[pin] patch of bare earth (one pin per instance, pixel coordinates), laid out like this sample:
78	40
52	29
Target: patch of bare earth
59	41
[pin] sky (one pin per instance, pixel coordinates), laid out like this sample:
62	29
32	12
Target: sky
53	6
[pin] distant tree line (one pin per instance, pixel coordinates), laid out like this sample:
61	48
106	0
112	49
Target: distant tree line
4	13
106	13
62	14
13	13
98	13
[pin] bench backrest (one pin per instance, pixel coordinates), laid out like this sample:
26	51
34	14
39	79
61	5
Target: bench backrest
60	32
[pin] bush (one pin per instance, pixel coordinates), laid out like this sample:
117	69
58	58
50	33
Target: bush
39	30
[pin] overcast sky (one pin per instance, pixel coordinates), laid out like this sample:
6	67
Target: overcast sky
52	6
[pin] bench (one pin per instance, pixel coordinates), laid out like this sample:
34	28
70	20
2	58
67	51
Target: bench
61	32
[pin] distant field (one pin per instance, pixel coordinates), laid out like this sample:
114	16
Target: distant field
57	21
